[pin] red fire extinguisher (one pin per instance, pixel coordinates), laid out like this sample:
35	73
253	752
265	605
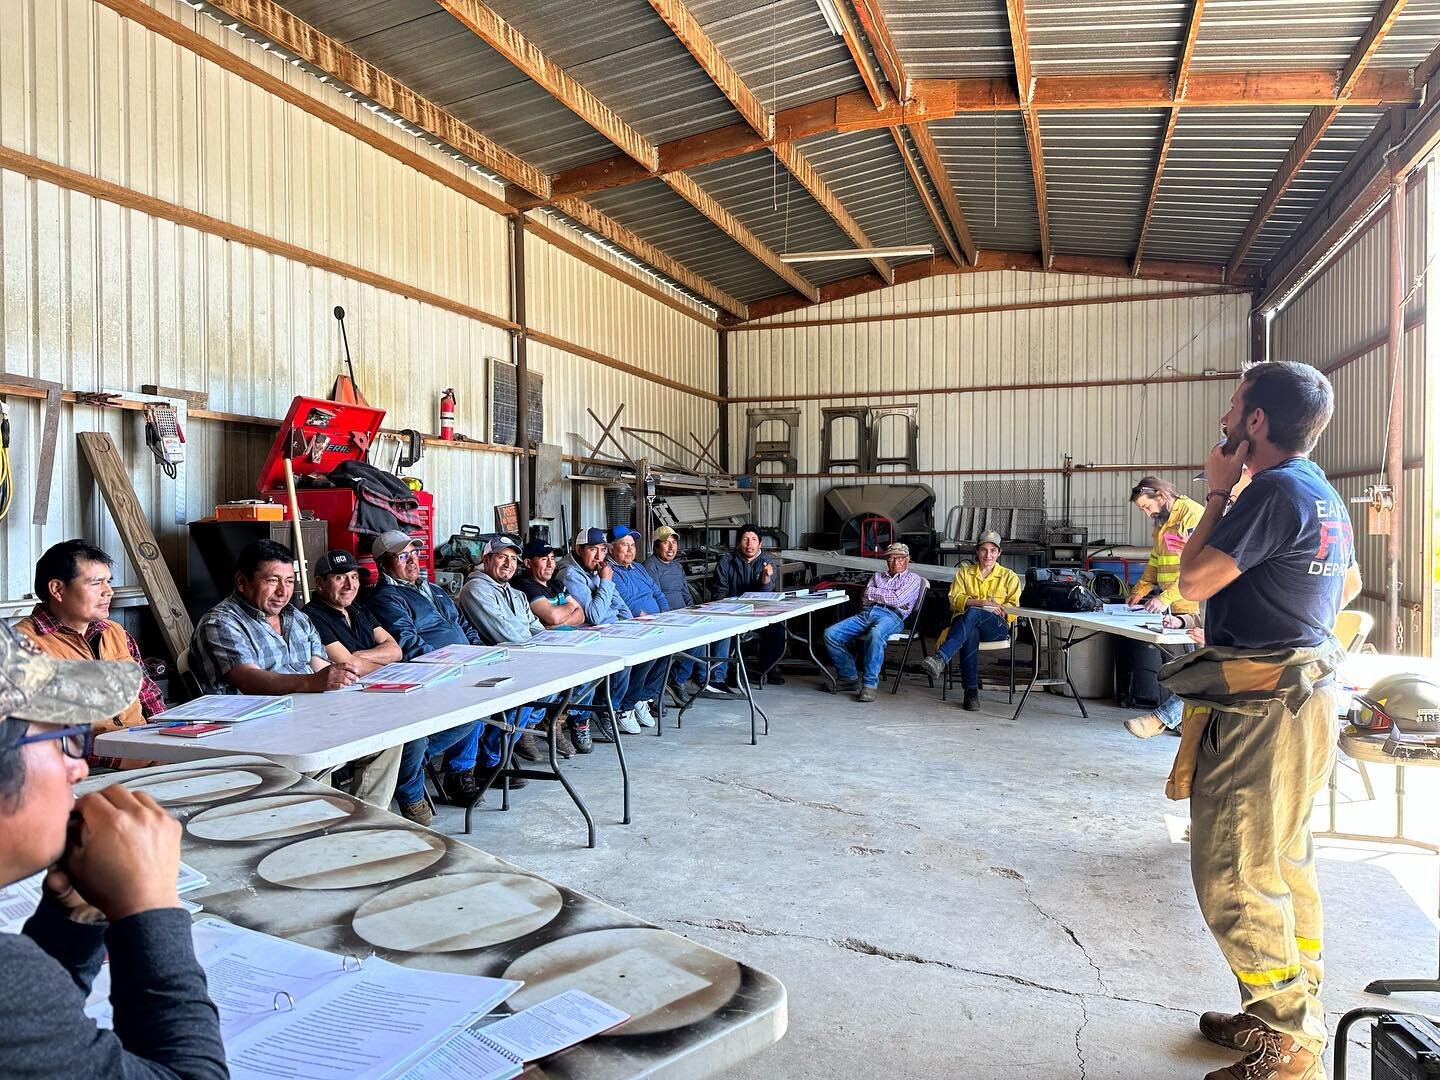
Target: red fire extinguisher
447	415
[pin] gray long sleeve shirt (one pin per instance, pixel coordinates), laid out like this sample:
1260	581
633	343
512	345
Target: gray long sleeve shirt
165	1025
600	599
670	576
497	610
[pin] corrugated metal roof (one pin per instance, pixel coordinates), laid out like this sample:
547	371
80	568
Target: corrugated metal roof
989	166
1413	37
1272	35
763	194
954	39
1099	168
1221	161
1140	37
1344	136
866	172
624	54
782	50
656	214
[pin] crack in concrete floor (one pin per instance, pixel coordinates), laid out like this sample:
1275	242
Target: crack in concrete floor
782	798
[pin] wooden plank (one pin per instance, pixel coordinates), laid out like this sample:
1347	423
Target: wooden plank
936	99
988	259
917	179
113	478
877	32
617	365
332	57
612	230
940	177
698	44
1025	88
794	159
142	14
1182	81
857	47
483	21
72	180
727	223
1380	24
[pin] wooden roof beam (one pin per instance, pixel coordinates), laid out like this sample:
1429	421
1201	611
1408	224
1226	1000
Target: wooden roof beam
1182	82
604	225
482	21
877	33
940	177
1025	87
698	44
857	46
1314	129
917	178
937	99
991	260
330	56
730	225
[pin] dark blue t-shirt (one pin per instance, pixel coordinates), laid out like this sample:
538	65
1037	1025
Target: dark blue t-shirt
1290	534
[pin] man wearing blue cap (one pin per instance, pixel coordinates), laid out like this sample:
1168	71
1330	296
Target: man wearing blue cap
590	579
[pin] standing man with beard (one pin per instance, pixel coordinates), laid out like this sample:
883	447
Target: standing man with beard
1261	698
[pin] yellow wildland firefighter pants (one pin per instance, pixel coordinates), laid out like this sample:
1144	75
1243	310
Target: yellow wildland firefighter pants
1253	860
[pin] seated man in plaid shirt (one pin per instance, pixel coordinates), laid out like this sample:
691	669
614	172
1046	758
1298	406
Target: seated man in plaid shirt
889	599
71	622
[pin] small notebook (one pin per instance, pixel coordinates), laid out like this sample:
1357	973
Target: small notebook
500	1050
193	731
230	708
410	674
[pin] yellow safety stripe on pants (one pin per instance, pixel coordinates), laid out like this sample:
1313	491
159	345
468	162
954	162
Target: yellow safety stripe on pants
1272	977
1307	944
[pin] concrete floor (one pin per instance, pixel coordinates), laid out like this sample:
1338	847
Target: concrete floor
952	894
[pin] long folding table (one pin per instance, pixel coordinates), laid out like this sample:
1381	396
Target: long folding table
323	731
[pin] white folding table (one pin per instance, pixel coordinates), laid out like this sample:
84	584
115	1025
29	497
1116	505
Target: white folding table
326	730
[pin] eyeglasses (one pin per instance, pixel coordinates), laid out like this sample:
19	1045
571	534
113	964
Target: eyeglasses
75	742
407	556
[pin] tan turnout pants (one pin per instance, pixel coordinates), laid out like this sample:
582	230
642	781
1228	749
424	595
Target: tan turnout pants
1253	861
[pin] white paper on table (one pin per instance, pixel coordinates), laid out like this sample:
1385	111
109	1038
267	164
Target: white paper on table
468	655
681	618
628	630
19	900
553	1025
365	1025
230	708
409	671
1125	609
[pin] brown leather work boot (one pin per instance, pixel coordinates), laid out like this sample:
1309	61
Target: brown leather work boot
1275	1056
419	812
1234	1031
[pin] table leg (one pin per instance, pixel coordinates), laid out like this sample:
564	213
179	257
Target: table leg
660	700
1036	632
619	751
554	726
810	648
744	681
1065	664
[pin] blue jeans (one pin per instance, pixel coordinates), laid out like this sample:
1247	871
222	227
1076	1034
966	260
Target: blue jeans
772	648
460	745
644	684
492	740
681	671
871	629
1171	711
967	630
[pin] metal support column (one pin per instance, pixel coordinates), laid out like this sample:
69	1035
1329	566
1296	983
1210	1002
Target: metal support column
1395	435
518	343
722	387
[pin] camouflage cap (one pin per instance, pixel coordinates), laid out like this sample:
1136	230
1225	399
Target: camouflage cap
70	693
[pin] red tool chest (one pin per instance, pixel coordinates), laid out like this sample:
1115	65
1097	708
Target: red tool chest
346	432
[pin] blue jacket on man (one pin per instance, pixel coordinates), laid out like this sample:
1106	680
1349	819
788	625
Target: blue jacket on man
421	617
641	592
600	598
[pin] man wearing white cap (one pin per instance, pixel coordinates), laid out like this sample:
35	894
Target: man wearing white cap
110	860
890	598
590	579
978	597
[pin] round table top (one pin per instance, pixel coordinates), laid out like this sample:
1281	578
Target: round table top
1371	748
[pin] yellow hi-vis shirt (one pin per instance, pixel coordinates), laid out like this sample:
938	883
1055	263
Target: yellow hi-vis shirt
1163	569
1002	586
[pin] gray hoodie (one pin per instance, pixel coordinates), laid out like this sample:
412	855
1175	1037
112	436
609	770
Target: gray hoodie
600	598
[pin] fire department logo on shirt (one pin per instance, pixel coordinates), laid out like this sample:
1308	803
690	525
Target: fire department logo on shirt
1337	541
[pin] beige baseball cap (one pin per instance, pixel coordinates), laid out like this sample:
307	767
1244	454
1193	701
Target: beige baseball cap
393	542
898	548
70	693
664	532
989	536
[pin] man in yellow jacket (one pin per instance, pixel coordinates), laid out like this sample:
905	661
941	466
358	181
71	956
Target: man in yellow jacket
978	597
1174	518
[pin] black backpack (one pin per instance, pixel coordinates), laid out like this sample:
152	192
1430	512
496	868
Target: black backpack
1060	590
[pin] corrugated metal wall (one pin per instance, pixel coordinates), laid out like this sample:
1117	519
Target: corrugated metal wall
1339	313
1142	424
96	296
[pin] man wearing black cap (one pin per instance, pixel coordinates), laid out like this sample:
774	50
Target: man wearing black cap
351	636
748	569
110	859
